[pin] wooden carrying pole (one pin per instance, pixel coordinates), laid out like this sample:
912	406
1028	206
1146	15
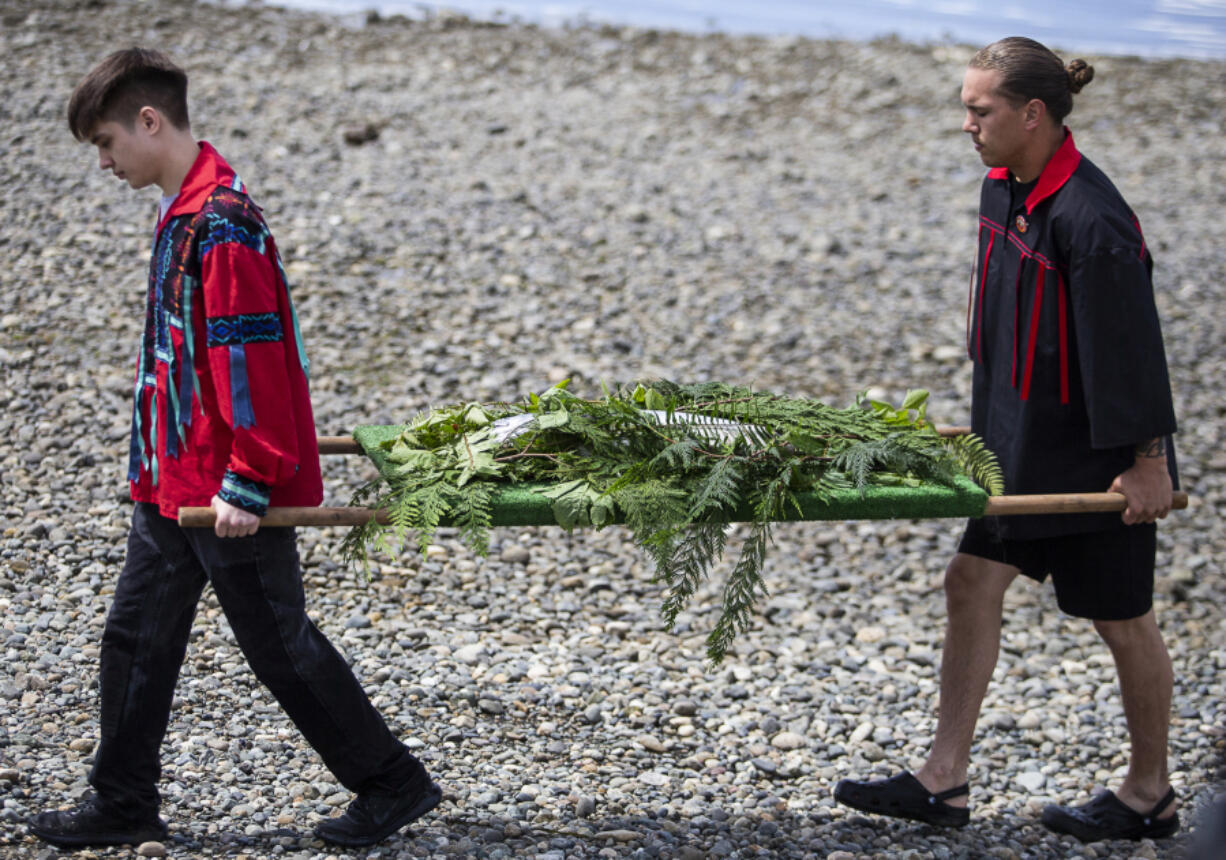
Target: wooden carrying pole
1067	503
998	506
347	516
339	445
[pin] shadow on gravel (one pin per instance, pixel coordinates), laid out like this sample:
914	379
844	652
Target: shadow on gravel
271	843
775	835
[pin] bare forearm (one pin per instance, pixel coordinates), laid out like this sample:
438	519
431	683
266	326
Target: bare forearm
1153	449
1146	484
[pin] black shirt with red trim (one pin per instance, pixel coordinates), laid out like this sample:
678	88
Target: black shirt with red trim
1070	371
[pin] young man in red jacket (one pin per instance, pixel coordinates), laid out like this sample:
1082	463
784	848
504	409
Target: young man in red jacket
1071	392
222	417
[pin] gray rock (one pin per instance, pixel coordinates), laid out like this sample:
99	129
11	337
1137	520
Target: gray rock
515	554
491	706
619	835
788	741
360	133
1031	781
651	744
765	765
469	654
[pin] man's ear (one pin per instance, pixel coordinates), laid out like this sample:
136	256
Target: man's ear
1035	113
149	119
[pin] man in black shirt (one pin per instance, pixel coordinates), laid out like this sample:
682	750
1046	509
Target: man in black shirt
1071	392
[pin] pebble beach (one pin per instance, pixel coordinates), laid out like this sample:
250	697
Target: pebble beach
473	211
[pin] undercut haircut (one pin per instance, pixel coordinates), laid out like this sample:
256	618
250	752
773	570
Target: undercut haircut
1029	70
123	83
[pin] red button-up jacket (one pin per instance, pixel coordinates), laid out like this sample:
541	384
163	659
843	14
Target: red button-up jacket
221	400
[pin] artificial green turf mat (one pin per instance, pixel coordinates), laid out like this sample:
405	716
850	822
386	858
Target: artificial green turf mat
522	505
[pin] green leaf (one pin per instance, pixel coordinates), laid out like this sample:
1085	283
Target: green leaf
550	420
476	416
473	454
559	490
603	511
916	399
414	460
433	419
480	464
571	503
555	391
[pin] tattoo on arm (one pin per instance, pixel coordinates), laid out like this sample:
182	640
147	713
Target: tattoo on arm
1152	448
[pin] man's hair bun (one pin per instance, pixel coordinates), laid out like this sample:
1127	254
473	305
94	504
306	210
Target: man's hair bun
1080	73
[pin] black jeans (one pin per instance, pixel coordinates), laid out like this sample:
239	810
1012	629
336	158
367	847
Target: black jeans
259	585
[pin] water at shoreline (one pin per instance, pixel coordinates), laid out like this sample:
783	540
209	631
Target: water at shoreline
1149	28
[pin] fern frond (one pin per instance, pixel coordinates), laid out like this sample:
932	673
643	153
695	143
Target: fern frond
405	514
773	497
473	516
858	460
651	504
717	489
677	456
654	510
355	546
744	587
978	462
430	503
699	547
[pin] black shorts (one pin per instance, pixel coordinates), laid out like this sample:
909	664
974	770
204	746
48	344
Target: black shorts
1105	576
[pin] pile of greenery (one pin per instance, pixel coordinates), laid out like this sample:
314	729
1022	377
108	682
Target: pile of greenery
671	461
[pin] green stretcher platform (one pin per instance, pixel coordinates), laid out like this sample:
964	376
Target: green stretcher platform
523	504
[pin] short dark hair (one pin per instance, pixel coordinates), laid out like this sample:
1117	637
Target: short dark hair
1029	70
123	83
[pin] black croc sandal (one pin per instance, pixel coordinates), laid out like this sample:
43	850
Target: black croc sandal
1108	817
904	796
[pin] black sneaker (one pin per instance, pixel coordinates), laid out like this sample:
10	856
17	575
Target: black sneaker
372	818
87	824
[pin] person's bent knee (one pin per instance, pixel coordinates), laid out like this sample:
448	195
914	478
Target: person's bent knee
970	579
1125	630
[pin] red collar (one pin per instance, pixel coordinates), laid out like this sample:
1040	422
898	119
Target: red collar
1055	173
207	172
